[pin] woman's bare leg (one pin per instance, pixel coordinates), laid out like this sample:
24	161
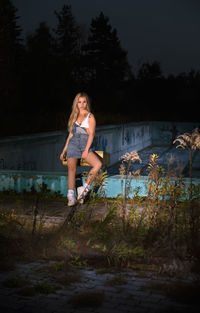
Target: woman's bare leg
71	164
96	164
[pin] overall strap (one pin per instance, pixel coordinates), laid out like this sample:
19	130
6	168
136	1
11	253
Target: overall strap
79	130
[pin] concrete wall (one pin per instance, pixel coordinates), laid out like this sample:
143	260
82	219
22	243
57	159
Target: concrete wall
119	139
27	161
163	133
41	152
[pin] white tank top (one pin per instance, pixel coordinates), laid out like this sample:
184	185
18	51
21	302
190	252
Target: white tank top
85	122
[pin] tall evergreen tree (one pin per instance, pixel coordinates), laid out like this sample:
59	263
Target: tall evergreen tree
41	83
150	71
68	37
9	49
107	61
40	67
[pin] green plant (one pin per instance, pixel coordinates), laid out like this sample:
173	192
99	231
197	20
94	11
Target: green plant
68	243
81	218
77	262
44	287
56	267
138	252
118	254
104	228
99	184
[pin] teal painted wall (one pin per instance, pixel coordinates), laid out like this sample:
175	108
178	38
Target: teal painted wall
19	180
24	180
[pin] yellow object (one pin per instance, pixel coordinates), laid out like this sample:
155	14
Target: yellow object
64	162
104	157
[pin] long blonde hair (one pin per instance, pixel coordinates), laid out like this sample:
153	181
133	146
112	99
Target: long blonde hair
75	110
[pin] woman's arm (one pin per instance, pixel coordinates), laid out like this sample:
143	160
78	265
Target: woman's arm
62	156
91	133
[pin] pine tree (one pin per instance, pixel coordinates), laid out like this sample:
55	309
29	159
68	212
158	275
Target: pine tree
10	43
150	71
40	43
107	61
40	67
68	38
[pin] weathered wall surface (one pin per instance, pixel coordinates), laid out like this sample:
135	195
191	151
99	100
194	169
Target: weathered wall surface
164	133
27	161
41	152
119	139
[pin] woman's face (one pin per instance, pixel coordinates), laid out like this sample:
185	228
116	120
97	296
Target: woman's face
82	103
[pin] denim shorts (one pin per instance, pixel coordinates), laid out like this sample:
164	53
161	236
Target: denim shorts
77	143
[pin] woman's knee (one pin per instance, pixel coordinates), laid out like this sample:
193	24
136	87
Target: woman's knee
98	166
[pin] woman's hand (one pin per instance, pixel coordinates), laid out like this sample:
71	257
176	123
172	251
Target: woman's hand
84	154
63	156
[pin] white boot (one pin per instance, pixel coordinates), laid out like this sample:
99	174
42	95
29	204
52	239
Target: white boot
82	192
71	199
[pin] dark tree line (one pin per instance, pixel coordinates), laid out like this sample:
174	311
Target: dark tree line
40	76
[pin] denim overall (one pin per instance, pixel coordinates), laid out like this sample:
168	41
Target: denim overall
77	142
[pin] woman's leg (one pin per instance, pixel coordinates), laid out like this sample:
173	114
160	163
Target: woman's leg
96	164
71	164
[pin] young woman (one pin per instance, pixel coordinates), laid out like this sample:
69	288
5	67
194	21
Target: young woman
81	127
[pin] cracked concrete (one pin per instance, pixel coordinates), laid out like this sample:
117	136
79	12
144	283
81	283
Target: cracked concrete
133	294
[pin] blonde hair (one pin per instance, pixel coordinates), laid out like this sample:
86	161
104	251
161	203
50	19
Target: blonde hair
75	110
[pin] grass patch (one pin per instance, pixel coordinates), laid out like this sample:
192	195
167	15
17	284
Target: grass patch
27	288
147	239
44	287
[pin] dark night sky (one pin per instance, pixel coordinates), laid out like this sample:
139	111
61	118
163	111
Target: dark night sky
167	31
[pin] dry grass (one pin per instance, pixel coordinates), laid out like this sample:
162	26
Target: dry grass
190	141
99	243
